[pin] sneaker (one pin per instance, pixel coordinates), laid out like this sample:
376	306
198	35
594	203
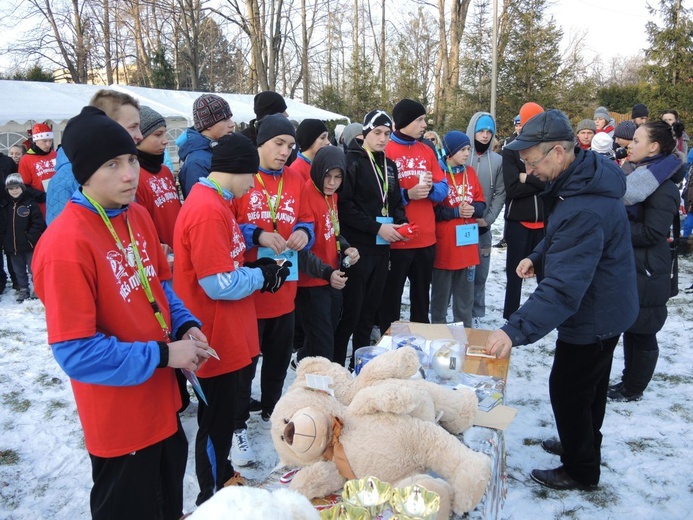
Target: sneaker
502	244
22	295
255	406
241	452
294	364
265	423
621	395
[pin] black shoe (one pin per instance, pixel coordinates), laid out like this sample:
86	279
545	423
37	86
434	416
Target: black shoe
502	244
616	387
552	446
22	295
255	406
621	395
559	479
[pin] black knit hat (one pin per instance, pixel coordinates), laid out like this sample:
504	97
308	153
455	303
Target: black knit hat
639	110
407	111
91	139
308	131
267	103
150	121
235	153
208	110
376	118
272	126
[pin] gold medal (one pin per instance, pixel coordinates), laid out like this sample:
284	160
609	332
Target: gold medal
383	211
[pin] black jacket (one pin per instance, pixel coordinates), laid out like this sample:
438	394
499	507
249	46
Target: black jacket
360	202
7	166
21	224
522	201
650	222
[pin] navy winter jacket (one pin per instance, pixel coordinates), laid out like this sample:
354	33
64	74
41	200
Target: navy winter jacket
589	290
196	154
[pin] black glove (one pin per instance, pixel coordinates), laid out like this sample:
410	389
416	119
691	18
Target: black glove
275	276
259	262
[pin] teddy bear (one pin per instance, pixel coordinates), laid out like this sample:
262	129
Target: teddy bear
454	410
388	430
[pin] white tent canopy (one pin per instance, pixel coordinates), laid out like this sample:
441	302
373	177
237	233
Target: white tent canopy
27	101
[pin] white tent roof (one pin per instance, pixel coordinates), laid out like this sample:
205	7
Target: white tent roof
25	101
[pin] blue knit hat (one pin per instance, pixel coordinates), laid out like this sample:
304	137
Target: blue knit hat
485	122
454	141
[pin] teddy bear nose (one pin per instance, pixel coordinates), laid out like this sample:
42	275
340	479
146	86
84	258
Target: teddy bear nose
289	431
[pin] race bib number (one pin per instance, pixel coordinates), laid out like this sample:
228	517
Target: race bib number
467	234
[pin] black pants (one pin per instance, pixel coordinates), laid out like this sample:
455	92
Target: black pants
362	296
215	422
10	270
144	485
577	385
521	242
417	265
319	309
276	345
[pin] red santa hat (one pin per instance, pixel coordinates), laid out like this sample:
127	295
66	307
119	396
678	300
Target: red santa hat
41	131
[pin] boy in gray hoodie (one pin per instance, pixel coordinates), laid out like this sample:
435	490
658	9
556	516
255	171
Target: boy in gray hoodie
489	169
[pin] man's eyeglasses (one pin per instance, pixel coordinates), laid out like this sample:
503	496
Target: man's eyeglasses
534	164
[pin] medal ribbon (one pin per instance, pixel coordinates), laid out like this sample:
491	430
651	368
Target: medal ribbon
382	180
272	208
138	260
334	216
464	183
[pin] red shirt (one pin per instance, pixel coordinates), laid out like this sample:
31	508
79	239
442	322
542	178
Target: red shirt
412	161
158	194
464	187
37	171
87	287
325	245
208	241
253	208
300	165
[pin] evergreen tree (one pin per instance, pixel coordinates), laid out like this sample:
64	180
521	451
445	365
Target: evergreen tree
670	57
530	69
163	75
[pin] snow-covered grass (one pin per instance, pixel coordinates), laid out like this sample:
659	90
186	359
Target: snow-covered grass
647	454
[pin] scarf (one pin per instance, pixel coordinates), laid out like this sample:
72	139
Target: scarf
648	176
37	151
481	148
150	162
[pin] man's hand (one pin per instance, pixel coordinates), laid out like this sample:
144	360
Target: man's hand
499	344
297	240
418	192
352	253
338	280
389	232
188	353
273	240
466	210
482	222
525	269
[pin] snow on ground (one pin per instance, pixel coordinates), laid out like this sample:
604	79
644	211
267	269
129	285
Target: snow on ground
647	453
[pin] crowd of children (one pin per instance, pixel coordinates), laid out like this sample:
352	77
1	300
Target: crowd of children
258	248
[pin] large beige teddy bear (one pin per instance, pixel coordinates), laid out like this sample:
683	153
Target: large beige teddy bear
454	410
387	431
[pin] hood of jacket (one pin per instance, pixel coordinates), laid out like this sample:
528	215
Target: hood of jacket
326	159
589	174
470	132
195	141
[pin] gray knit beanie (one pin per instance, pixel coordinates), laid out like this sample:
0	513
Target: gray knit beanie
586	124
150	121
